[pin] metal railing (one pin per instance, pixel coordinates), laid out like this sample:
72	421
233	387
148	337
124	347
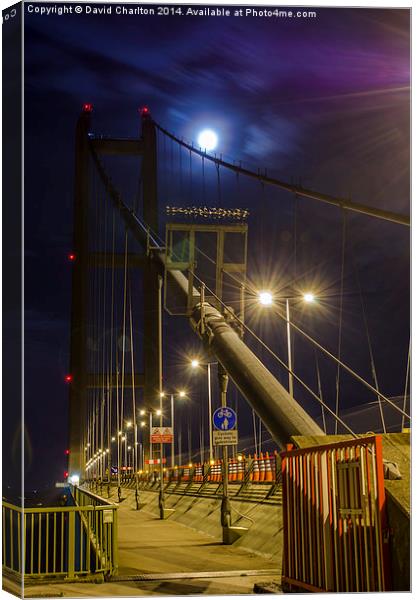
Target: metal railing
65	541
335	524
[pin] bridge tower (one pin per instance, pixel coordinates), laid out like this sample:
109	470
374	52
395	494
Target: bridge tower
145	148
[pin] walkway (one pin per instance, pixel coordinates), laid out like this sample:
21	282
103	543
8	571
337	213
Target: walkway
164	550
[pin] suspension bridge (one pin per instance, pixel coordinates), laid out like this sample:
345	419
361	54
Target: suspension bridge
295	492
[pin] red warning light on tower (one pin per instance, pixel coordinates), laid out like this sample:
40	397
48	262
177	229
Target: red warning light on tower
87	107
68	378
67	452
145	112
71	257
65	474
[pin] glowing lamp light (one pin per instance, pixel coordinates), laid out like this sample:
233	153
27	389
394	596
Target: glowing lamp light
309	297
87	107
142	413
74	479
195	363
71	257
182	394
265	298
67	452
208	139
68	378
159	412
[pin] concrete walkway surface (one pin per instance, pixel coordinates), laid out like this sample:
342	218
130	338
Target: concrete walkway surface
166	549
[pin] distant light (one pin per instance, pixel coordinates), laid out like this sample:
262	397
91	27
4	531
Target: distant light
124	438
65	474
74	479
190	465
195	363
68	378
208	139
107	450
182	394
145	112
87	107
113	439
71	257
265	298
162	395
129	447
142	412
239	458
120	432
142	423
67	452
309	297
159	412
129	424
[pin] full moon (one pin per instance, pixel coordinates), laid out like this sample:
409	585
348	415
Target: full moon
207	139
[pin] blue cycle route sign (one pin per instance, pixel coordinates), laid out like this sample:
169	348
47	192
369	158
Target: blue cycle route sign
224	418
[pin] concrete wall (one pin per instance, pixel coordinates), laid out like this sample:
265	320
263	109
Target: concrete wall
265	534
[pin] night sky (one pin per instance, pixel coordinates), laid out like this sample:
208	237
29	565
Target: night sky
323	102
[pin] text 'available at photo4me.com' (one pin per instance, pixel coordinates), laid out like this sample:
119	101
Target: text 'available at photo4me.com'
167	11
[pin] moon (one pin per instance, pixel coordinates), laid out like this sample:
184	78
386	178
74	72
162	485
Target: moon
208	139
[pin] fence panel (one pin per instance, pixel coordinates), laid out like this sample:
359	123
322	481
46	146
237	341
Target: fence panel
61	541
335	518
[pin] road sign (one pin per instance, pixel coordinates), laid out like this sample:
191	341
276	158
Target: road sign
224	418
161	435
225	438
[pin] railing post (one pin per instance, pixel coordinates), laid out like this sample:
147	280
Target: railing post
71	544
115	546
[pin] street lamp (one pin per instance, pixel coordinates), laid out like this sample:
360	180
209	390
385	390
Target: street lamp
266	299
181	394
195	364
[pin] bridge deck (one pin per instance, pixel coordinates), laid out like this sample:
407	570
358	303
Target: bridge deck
177	559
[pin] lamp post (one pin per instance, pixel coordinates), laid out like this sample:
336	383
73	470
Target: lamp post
266	298
181	394
195	364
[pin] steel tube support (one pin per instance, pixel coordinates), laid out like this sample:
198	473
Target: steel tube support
280	413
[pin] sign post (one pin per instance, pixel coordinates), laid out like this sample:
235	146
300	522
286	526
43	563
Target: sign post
224	421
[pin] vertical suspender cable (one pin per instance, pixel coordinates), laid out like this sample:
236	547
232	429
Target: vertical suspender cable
111	371
339	346
124	343
319	389
371	354
135	428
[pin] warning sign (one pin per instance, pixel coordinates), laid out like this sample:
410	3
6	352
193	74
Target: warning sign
225	438
161	435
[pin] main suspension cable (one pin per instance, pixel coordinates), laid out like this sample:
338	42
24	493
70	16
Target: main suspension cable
294	189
